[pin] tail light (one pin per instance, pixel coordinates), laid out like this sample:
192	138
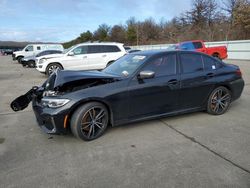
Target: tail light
238	72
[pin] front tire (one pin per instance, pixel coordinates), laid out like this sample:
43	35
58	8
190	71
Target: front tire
31	64
52	67
19	59
89	121
219	101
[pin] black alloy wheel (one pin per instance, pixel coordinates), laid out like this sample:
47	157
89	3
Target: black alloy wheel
89	121
219	101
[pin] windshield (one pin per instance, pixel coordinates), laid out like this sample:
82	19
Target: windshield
68	49
126	65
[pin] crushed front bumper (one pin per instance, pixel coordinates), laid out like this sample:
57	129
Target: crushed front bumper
50	120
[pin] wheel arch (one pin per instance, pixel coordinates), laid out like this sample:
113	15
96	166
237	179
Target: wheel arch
216	54
85	101
55	63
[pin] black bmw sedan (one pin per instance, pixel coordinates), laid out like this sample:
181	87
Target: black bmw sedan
136	87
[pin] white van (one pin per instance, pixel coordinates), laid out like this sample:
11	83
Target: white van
85	56
33	49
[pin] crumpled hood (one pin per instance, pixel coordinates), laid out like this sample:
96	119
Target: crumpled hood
66	76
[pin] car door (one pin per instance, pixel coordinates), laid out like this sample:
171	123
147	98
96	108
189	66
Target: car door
156	95
196	83
97	57
76	59
29	51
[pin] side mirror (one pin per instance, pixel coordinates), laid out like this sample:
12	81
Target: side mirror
71	54
146	74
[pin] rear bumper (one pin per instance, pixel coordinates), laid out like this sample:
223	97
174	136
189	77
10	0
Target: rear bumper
237	87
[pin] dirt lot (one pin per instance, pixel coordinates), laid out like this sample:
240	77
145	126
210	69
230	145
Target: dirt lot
194	150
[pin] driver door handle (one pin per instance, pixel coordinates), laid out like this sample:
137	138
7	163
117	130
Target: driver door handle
173	81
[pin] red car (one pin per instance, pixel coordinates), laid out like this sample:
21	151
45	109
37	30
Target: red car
199	46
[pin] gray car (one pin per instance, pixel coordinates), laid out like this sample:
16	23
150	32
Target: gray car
30	60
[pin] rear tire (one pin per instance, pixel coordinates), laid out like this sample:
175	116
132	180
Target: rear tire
219	101
52	67
216	55
89	121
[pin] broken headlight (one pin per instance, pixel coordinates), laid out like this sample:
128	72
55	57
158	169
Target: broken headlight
54	103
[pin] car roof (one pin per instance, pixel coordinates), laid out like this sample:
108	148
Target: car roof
99	43
157	52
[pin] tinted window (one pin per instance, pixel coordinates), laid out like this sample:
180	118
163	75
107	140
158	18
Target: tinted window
38	47
191	62
80	50
109	48
95	49
162	66
209	63
197	45
187	46
42	53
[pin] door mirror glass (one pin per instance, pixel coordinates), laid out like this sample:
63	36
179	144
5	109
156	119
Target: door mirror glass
71	54
146	74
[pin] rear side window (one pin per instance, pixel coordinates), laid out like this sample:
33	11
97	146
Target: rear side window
209	63
197	45
111	48
38	47
92	49
164	65
191	62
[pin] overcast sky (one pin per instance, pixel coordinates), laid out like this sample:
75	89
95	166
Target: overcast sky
64	20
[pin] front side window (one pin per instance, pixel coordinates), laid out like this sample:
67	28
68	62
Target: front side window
80	50
191	62
29	49
164	65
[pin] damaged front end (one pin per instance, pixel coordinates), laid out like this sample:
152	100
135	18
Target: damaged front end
51	102
62	82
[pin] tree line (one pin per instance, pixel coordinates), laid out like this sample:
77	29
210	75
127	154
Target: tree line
208	20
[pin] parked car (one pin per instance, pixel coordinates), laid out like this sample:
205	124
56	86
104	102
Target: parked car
133	51
219	52
30	61
34	49
85	56
136	87
7	51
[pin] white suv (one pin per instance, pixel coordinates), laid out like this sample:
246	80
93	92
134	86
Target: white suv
85	56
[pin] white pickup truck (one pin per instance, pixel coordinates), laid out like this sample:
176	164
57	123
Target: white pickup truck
34	49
